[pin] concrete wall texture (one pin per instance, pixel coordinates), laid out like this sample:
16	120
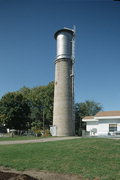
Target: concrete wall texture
63	90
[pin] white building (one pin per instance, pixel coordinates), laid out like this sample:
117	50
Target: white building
103	123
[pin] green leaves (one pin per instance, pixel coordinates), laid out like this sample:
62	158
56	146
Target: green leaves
18	109
14	110
40	99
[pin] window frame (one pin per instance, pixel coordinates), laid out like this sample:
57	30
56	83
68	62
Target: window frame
112	127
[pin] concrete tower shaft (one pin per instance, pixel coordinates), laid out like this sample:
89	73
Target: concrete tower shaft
63	90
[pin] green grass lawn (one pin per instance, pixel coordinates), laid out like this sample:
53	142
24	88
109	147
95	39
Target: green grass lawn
89	157
17	138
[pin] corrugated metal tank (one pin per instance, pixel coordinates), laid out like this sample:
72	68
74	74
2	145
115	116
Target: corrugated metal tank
64	43
63	91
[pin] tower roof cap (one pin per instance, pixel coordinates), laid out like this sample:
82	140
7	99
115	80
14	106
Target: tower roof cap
64	30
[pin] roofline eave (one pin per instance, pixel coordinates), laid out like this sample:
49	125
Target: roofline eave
107	117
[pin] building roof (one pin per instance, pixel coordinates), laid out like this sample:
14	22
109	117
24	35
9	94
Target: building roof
88	117
107	113
102	115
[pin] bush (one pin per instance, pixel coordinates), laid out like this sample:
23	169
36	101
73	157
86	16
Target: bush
37	132
47	132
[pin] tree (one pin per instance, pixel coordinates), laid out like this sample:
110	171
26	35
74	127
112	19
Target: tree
14	111
40	102
87	108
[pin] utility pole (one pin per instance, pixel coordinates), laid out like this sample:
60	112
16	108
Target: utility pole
43	122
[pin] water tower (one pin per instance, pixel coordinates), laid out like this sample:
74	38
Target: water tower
63	112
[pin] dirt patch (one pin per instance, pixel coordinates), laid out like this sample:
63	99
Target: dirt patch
14	176
10	174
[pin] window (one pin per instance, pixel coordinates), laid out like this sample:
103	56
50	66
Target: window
112	127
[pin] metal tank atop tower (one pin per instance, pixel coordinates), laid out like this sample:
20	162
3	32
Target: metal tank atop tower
63	112
65	41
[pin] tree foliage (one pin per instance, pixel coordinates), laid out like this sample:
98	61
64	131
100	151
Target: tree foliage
28	106
87	108
41	103
14	111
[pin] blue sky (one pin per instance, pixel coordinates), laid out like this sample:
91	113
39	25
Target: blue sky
28	48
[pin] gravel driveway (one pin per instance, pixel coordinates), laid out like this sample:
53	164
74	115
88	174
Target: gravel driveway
38	140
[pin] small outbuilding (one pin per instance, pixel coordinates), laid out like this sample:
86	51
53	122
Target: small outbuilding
103	123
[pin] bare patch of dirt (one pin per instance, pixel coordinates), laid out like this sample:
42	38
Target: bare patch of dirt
10	174
14	176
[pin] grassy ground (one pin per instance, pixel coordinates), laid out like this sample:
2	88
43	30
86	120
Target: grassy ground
89	157
17	138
